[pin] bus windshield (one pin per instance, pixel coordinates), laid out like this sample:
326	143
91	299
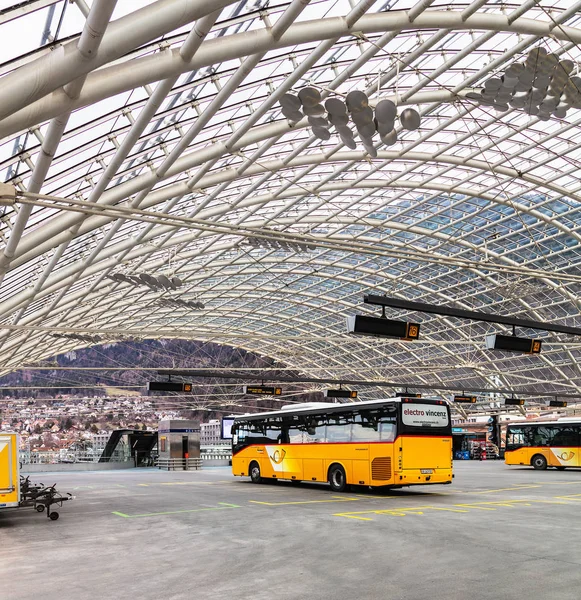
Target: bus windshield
517	437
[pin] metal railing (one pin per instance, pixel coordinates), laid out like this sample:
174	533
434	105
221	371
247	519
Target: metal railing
216	456
216	453
179	464
69	456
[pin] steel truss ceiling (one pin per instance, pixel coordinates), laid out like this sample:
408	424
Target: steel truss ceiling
151	141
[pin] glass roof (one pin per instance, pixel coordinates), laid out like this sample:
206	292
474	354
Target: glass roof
152	141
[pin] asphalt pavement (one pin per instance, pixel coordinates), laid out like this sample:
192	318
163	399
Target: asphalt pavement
498	533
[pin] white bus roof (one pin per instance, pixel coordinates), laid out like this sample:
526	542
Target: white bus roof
563	421
319	407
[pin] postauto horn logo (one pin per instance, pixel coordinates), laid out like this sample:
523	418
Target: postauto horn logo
566	455
277	456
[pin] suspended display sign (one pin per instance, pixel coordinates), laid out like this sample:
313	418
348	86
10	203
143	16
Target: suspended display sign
465	399
511	343
378	326
558	403
514	402
262	390
340	393
169	386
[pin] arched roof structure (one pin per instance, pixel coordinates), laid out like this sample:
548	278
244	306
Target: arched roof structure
147	138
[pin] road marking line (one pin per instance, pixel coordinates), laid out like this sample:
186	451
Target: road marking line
362	497
335	499
511	489
184	483
559	482
462	508
175	512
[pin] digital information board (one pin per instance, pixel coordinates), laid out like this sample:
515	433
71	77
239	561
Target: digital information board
262	390
227	423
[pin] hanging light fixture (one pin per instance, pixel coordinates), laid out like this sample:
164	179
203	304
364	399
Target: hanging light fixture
154	282
542	86
180	303
273	244
91	339
343	116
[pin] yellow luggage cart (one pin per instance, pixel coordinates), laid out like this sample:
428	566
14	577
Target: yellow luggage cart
9	470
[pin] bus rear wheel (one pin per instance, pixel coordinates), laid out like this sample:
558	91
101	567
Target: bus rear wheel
539	462
337	478
255	476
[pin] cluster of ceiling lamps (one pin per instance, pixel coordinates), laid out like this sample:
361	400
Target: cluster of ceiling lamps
541	86
520	287
159	282
338	113
91	339
127	338
179	303
283	245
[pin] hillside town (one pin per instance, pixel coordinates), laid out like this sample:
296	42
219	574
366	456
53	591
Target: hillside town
71	428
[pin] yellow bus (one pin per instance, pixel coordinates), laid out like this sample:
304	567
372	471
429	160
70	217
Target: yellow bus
395	442
541	445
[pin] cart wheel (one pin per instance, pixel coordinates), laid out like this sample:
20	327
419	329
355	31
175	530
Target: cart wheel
40	508
53	516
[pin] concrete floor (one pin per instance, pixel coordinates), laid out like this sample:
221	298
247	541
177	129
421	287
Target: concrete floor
498	532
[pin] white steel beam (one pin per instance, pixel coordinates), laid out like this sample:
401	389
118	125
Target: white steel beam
187	51
87	46
53	236
53	71
134	73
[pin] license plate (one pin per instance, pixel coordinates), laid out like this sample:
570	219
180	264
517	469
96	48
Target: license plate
426	471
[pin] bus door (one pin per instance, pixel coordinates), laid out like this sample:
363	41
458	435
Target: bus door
565	441
303	457
372	439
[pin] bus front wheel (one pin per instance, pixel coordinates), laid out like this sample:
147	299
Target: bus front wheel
539	462
255	472
337	478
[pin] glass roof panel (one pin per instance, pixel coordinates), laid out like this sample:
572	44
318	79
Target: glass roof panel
478	207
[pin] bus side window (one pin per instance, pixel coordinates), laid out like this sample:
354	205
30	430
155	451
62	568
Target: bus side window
518	437
365	428
339	428
543	436
386	432
273	431
566	436
242	431
306	430
315	429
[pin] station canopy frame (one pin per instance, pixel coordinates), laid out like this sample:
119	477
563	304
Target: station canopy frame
162	193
